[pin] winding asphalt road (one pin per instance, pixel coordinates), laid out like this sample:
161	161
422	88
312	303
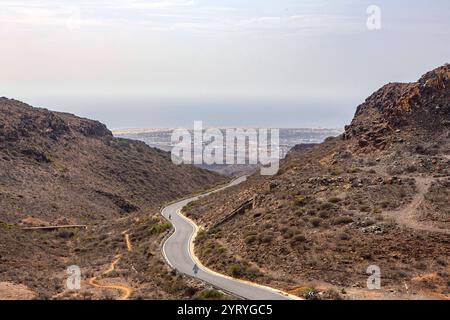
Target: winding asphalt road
179	254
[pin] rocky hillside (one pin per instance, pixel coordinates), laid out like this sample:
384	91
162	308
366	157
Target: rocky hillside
422	107
377	195
56	168
55	165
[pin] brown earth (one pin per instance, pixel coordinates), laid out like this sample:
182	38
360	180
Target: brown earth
377	195
11	291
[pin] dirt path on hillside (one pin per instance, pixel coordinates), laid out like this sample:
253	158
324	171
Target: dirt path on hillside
126	291
127	241
407	216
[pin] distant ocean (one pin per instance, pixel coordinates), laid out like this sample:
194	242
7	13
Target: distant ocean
120	113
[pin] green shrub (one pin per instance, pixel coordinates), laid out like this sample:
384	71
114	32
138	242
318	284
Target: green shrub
334	200
252	272
344	236
250	233
377	210
324	214
315	222
299	238
421	265
411	169
267	238
243	270
326	206
250	239
201	236
267	225
331	294
210	294
385	204
441	261
159	228
235	270
6	225
342	220
300	201
289	233
65	233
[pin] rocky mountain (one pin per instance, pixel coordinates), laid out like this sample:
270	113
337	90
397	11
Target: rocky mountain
379	194
59	169
421	107
55	165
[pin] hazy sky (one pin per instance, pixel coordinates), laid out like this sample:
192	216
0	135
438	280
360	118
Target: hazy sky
164	63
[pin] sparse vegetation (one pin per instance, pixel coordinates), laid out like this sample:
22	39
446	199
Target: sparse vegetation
210	294
316	222
342	220
299	238
334	200
5	225
250	239
243	270
300	201
159	228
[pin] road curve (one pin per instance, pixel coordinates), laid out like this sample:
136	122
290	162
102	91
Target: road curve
178	252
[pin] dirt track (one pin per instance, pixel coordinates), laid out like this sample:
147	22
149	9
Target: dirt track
126	291
407	215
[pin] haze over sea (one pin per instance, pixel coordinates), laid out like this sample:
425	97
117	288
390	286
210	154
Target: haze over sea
124	113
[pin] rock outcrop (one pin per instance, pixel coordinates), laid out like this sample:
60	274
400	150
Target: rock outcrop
419	108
